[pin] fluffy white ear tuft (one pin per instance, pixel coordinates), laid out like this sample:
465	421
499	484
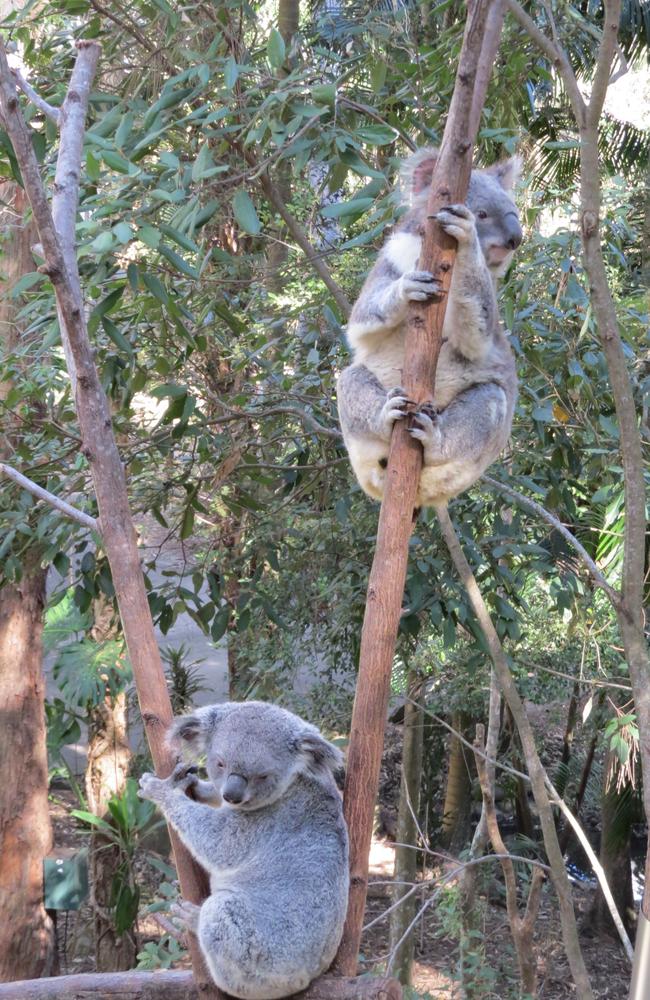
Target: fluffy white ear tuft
416	170
507	172
192	732
318	753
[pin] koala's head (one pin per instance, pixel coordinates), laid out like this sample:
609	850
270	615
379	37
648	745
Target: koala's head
254	751
489	197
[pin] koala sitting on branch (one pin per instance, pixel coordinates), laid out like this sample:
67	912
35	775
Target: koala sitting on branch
276	848
467	422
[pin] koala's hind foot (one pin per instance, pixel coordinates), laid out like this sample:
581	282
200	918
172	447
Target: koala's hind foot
395	408
418	286
187	913
457	221
425	429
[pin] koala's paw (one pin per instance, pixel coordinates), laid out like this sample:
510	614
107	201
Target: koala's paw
418	286
395	408
151	787
187	913
457	221
425	429
184	777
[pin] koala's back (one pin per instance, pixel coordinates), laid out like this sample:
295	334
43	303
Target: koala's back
274	919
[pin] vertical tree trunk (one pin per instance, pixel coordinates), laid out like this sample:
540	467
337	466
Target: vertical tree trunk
616	817
109	758
406	856
27	945
26	932
458	796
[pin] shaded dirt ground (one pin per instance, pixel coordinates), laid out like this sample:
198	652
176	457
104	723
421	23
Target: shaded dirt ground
436	952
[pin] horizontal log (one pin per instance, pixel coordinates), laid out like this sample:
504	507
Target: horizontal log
168	985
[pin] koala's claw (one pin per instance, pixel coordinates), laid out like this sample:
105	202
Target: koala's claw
424	428
395	408
187	913
151	787
418	286
457	221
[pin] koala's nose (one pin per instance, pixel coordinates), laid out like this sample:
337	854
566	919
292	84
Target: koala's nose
514	236
234	789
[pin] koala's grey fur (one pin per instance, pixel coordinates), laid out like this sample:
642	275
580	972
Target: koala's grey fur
469	422
276	849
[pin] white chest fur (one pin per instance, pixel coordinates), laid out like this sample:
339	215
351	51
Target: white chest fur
403	251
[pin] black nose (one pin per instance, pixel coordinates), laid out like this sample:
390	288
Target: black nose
514	237
234	789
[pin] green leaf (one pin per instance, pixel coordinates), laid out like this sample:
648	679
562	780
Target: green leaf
187	524
103	242
275	49
202	163
89	817
324	93
377	135
27	281
179	263
115	335
116	162
230	73
149	236
245	213
355	207
123	232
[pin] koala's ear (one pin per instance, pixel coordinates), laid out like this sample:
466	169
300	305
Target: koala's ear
417	170
507	172
318	753
192	732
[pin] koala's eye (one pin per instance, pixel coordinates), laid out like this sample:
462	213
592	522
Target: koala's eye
481	214
262	777
219	763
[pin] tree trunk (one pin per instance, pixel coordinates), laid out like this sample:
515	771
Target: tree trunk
26	932
406	857
27	945
614	855
109	758
456	818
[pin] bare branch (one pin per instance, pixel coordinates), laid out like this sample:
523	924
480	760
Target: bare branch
546	515
48	109
49	498
606	51
556	55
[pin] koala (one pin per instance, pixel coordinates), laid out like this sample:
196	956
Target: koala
275	848
467	422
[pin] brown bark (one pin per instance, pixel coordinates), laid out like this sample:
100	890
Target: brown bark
455	827
614	855
179	986
26	932
388	573
100	450
27	944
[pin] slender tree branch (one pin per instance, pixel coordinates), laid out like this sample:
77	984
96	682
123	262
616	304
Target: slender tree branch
596	865
556	55
39	102
489	49
65	199
546	515
520	927
606	52
301	238
534	764
49	498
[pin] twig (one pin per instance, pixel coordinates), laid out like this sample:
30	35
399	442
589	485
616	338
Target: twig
50	498
546	515
39	102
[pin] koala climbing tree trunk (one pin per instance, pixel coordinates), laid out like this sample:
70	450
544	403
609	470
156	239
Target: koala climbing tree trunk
388	574
56	229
